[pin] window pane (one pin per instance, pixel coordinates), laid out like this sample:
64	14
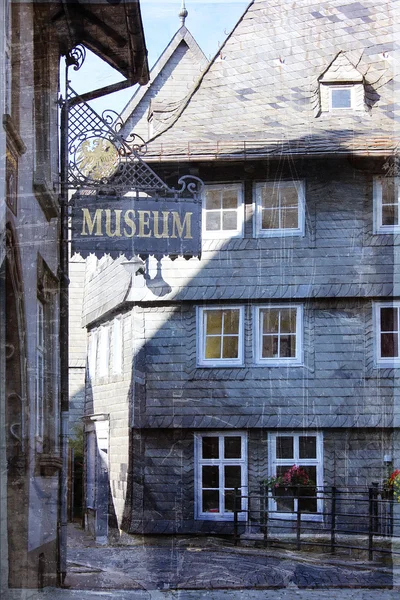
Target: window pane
229	220
269	346
389	319
311	471
269	197
210	476
289	218
229	500
284	447
229	199
214	322
231	321
213	347
233	476
233	447
390	214
213	221
307	446
230	347
213	199
270	219
210	447
389	345
389	191
284	500
270	320
288	346
341	98
289	197
210	501
288	320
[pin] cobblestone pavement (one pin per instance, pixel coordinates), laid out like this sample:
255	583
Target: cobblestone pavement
168	563
169	568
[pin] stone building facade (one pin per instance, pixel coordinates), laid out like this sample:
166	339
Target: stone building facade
33	345
279	346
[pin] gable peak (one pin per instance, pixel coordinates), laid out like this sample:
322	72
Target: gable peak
341	69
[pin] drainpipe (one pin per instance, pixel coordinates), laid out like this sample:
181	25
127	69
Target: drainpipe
63	337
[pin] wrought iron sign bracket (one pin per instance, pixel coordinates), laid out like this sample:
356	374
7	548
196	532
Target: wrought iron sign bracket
110	179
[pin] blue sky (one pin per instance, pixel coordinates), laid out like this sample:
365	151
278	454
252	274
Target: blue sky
209	22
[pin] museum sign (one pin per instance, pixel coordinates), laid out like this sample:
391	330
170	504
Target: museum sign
135	226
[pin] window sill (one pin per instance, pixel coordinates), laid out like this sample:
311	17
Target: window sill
277	363
279	233
220	365
229	518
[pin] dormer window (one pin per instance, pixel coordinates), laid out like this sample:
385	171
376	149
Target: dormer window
341	87
341	97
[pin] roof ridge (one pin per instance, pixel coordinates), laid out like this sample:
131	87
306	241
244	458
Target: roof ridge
186	101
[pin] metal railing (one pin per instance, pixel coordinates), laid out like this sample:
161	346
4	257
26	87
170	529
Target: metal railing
352	518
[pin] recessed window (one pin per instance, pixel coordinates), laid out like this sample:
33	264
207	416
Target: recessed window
223	211
117	347
340	97
220	335
387	204
387	326
221	475
278	335
103	352
279	208
288	451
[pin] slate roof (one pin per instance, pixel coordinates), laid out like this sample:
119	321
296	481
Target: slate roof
172	64
257	96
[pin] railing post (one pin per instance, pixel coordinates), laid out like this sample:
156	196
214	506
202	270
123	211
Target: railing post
333	520
265	499
375	507
298	521
371	523
235	518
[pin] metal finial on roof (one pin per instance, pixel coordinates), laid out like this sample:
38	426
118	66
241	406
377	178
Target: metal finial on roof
183	13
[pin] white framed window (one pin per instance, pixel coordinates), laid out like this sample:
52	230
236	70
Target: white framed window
387	333
92	358
117	347
341	97
280	207
40	370
103	351
386	193
220	469
304	450
278	335
220	335
223	211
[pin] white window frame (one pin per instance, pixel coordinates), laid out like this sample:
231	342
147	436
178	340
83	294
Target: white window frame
273	462
280	231
201	338
92	354
40	370
221	233
220	462
297	360
377	200
350	87
103	353
385	361
117	347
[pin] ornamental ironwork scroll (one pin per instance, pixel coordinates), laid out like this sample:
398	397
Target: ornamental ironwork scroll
120	205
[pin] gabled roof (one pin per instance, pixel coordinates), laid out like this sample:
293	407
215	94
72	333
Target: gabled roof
341	70
257	96
182	36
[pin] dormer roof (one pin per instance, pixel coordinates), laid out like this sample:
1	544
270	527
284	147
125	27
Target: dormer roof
341	70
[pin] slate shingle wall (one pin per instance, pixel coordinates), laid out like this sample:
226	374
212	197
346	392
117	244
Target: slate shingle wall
163	481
